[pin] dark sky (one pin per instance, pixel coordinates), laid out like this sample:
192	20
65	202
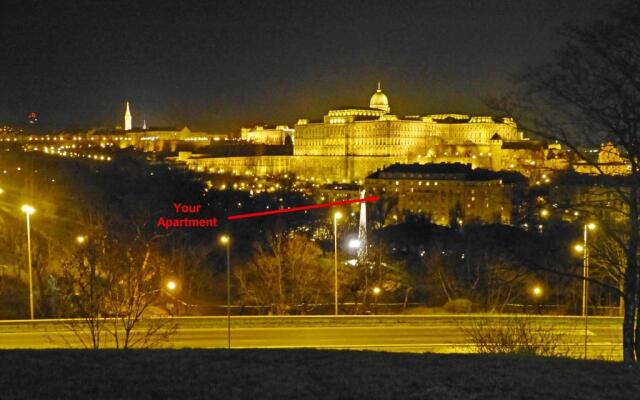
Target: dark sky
218	65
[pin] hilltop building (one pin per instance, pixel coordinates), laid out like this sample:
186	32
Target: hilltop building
349	143
271	135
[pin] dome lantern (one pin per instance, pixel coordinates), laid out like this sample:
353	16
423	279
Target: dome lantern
379	100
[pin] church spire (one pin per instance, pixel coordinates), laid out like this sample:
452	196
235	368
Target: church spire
127	118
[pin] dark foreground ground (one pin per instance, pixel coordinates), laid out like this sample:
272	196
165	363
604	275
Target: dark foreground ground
305	374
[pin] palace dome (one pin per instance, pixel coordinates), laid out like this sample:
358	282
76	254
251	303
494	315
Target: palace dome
379	100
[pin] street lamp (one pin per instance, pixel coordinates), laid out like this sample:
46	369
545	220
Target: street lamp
28	210
584	249
81	239
536	293
376	291
354	244
226	241
336	216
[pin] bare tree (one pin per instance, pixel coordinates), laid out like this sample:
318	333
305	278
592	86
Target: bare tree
590	95
133	290
85	297
287	273
112	287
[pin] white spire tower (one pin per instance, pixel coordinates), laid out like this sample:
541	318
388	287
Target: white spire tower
127	119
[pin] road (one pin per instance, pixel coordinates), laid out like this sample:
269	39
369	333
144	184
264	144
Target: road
388	333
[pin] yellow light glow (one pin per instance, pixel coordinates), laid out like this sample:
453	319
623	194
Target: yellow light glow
172	285
376	290
81	239
224	239
544	213
337	215
27	209
578	248
591	226
537	291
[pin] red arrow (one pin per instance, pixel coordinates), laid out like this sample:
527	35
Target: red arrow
302	208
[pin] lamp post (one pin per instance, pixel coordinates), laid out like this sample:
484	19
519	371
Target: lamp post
171	287
28	210
336	216
537	292
376	292
584	249
225	240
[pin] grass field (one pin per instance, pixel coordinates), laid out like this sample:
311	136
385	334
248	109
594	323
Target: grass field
305	374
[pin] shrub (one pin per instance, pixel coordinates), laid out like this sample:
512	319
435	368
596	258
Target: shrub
458	306
515	335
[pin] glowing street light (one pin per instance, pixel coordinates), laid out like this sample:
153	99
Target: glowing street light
578	248
355	243
376	291
336	216
28	210
544	213
171	285
537	291
226	241
81	239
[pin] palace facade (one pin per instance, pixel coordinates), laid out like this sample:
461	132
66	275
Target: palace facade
349	143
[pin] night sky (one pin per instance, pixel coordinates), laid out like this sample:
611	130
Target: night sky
219	65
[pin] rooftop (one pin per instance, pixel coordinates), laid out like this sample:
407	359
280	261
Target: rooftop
445	171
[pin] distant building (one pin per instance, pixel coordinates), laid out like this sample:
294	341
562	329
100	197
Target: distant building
576	196
446	191
278	135
349	143
337	192
609	162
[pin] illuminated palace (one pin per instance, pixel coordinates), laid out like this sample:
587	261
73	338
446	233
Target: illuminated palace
349	143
